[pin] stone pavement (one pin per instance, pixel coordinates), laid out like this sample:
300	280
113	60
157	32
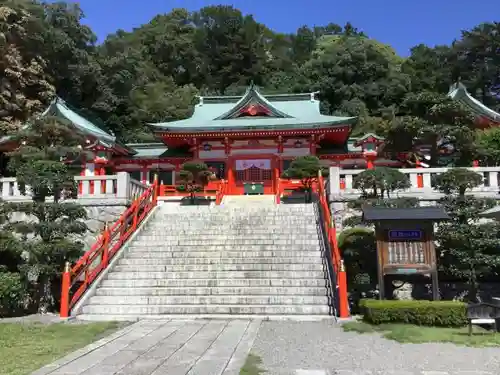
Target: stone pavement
173	347
220	347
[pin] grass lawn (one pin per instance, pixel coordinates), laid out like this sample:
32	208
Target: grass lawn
25	348
407	333
252	366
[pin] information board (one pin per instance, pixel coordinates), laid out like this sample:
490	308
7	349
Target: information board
408	235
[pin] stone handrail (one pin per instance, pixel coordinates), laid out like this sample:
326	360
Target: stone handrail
116	187
421	179
137	188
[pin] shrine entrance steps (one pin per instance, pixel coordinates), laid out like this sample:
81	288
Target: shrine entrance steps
262	261
249	200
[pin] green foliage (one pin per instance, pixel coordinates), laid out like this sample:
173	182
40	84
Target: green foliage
359	251
306	169
468	246
193	177
48	226
12	293
379	182
42	162
488	146
457	181
422	313
153	72
430	118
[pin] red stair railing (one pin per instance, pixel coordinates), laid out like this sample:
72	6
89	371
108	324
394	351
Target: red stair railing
77	279
338	263
221	191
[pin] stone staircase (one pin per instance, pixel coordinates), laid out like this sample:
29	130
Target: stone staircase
247	257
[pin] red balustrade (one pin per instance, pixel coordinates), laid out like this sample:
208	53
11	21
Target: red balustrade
336	258
77	279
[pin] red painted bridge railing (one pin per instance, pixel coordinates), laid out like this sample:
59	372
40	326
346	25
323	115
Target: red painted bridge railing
77	279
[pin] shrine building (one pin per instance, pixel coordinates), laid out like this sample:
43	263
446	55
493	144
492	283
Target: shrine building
249	138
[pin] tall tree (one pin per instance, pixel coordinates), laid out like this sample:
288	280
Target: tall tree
25	85
346	68
43	164
232	45
429	69
478	61
468	247
436	121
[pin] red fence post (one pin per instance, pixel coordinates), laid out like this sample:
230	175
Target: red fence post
343	297
65	287
105	245
156	188
136	215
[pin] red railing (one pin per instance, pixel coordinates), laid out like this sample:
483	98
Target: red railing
221	191
337	261
77	279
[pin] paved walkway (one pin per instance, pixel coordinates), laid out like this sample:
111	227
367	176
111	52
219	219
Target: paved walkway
164	347
217	347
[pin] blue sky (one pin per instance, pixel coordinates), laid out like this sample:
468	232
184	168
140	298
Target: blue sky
400	23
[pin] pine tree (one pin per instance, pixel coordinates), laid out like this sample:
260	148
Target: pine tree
44	167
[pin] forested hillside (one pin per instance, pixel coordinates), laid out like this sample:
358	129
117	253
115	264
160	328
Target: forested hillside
154	72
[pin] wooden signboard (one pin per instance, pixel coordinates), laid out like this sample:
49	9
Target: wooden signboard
405	242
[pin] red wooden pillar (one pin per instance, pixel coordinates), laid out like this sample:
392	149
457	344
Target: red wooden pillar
312	145
420	176
230	176
229	166
276	173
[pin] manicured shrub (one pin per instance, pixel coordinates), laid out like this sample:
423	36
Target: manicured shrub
12	293
425	313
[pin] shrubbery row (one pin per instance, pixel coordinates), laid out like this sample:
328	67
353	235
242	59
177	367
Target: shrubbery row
425	313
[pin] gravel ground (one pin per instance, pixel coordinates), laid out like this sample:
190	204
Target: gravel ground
286	347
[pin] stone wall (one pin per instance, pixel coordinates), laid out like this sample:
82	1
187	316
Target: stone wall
99	213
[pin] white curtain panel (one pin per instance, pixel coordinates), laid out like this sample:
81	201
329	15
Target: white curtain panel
258	163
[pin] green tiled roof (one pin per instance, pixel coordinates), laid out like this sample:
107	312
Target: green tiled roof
459	92
293	111
156	150
58	107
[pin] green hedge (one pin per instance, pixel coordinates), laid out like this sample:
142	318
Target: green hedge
12	293
425	313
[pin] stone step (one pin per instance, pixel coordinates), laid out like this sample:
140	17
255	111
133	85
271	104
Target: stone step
207	309
264	317
207	291
217	267
148	235
159	247
235	231
212	283
165	254
209	300
145	274
243	216
219	261
153	242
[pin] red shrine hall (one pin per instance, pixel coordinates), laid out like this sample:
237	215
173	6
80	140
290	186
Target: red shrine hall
244	139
